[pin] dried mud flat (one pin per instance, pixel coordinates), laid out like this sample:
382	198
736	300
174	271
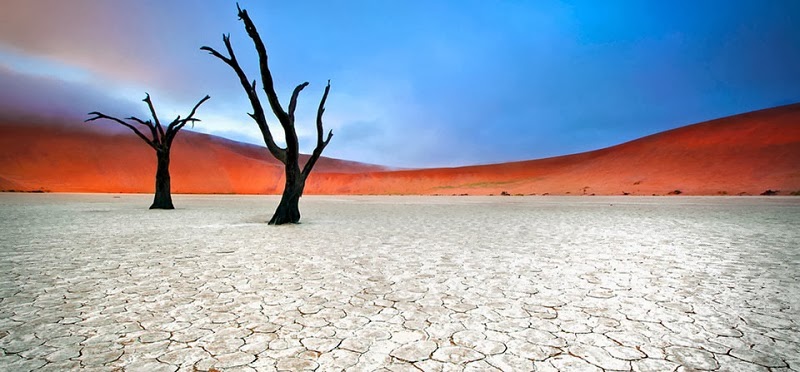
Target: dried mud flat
98	282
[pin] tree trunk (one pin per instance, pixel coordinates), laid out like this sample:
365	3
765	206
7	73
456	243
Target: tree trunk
288	209
163	198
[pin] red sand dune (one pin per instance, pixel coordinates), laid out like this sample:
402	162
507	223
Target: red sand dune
742	154
94	157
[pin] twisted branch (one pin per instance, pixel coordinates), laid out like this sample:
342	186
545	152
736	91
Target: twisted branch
148	124
320	143
100	115
155	117
293	101
263	64
179	123
161	140
250	88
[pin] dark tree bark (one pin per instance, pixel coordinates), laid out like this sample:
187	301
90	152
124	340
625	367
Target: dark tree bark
161	141
288	210
163	197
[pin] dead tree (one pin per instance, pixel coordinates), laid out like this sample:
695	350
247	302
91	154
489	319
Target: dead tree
161	141
288	210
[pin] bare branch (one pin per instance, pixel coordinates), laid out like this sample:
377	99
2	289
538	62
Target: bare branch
216	54
320	111
178	123
263	64
99	115
320	143
226	39
140	121
194	109
189	118
312	160
250	88
149	125
171	127
155	117
293	101
178	127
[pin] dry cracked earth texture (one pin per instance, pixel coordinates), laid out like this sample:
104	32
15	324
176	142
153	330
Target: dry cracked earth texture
98	282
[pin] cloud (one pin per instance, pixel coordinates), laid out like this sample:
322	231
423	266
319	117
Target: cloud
147	43
378	119
236	127
52	99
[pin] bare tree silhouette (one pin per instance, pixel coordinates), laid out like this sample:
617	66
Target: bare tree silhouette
288	210
161	142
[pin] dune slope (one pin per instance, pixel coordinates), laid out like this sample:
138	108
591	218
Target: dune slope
742	154
80	157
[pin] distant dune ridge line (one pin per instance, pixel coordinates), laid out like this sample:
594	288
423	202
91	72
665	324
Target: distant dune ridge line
743	154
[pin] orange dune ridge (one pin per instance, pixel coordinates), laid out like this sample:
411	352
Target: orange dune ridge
742	154
90	157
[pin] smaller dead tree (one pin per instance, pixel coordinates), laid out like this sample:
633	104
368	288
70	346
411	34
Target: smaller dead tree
161	141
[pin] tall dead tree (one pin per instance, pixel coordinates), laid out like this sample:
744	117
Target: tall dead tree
161	141
288	210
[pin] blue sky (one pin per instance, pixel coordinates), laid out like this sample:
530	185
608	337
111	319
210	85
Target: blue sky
414	83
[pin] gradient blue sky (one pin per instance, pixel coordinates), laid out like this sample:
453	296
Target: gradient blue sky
414	83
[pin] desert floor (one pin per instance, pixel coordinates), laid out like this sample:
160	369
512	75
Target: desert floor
99	282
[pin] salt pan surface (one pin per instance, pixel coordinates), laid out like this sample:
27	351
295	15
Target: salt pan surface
438	283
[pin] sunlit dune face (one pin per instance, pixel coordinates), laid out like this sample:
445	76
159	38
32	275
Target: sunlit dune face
745	154
92	158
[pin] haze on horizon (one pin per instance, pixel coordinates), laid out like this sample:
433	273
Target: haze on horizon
414	84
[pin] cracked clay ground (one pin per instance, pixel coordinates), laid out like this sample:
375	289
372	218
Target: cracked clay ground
98	282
